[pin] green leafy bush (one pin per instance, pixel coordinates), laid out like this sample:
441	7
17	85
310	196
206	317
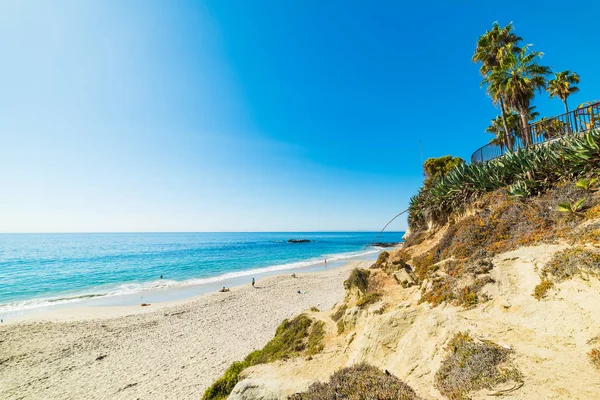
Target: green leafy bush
359	382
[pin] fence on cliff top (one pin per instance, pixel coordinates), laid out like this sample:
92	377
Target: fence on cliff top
582	119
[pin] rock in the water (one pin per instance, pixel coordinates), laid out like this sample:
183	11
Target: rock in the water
385	244
298	241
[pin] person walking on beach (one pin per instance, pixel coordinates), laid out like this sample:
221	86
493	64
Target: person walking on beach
325	262
253	282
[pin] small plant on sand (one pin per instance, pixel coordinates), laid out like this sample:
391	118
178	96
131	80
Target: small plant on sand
542	288
291	338
594	356
361	381
472	366
314	309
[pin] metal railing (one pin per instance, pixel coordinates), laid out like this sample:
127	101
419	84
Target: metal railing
584	118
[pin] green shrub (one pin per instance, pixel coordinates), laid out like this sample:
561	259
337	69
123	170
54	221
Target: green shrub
315	338
368	298
341	327
359	382
542	288
383	258
339	312
359	278
472	366
290	339
435	168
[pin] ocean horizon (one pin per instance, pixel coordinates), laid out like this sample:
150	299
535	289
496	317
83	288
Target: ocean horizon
43	269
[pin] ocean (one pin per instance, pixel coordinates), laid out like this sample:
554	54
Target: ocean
40	270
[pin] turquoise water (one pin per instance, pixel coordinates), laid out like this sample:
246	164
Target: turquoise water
44	269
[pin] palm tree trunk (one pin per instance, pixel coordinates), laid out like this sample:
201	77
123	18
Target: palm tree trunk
566	106
508	140
526	134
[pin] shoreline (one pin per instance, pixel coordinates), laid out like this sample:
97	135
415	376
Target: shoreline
117	304
165	350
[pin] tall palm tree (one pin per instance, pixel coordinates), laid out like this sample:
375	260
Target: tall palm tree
563	85
489	50
518	77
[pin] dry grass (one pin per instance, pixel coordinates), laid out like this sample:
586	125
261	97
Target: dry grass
542	288
571	262
472	366
594	356
502	223
359	382
459	282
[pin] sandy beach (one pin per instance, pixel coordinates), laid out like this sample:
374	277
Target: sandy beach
162	351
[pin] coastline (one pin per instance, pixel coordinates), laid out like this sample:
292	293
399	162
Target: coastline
169	294
169	349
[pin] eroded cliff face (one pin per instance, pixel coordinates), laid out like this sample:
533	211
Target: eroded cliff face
549	339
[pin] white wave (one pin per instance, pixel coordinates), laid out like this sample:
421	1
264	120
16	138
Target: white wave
129	288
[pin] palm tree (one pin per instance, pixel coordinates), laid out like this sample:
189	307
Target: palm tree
563	85
518	77
550	128
496	128
489	50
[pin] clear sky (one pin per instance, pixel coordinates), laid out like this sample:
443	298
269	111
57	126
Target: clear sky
249	115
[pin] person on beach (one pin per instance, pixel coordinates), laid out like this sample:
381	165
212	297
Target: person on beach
325	262
224	290
161	277
293	275
253	282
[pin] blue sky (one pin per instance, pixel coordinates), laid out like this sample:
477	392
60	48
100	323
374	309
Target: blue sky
248	115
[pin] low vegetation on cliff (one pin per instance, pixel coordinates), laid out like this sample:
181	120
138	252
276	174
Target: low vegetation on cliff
301	335
361	381
473	365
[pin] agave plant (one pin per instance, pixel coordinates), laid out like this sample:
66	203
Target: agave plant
524	173
589	185
573	207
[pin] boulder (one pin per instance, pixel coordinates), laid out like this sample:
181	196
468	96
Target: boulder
405	277
298	241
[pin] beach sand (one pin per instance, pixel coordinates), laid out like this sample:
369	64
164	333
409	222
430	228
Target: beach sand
166	350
